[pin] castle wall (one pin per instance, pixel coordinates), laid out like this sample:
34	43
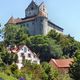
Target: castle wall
52	26
31	27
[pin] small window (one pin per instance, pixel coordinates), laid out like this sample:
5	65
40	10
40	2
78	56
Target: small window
41	20
34	56
23	24
27	25
25	49
32	8
22	54
17	61
43	8
29	55
29	13
32	23
28	49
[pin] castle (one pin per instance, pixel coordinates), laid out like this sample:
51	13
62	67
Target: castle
36	20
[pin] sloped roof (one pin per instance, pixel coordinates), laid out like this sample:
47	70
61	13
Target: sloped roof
41	4
32	3
18	20
26	20
11	20
62	63
55	25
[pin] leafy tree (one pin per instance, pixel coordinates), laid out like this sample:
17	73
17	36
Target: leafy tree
74	70
50	71
15	34
45	47
8	58
6	77
67	43
33	71
53	34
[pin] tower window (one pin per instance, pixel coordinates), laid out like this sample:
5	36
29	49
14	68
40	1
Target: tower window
41	20
43	8
32	8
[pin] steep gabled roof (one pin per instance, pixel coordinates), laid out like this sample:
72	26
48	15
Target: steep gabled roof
32	4
62	63
41	4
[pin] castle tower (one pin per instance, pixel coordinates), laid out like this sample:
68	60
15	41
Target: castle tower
43	9
31	10
43	19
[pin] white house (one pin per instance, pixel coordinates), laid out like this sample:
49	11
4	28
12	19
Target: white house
23	52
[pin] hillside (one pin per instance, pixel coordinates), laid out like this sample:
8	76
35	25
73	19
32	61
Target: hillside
53	45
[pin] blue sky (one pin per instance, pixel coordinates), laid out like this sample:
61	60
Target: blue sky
64	13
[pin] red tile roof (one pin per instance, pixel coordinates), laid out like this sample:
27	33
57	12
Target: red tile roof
18	20
11	21
62	63
26	20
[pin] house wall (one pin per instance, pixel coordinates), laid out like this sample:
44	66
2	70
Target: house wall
25	53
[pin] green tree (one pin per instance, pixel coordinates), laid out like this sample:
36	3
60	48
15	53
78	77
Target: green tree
6	77
74	70
53	34
51	72
67	43
8	58
33	71
15	34
45	47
